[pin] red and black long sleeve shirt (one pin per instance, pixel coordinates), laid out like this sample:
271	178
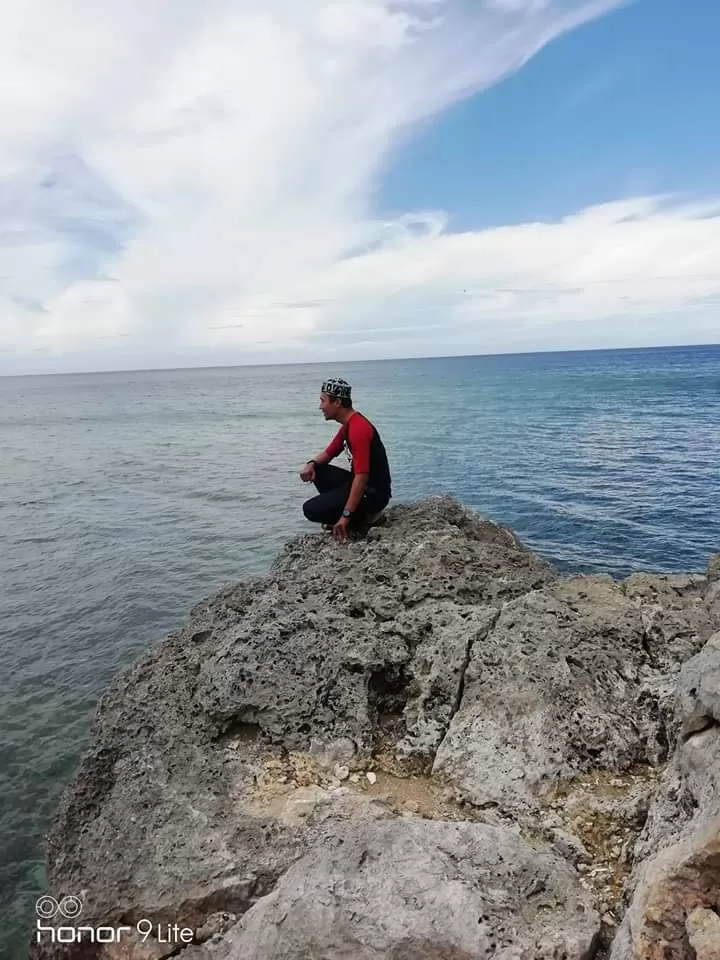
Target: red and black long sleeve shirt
366	452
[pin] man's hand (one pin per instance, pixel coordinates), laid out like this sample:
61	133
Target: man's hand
307	474
340	529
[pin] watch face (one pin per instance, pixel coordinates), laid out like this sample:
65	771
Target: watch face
346	513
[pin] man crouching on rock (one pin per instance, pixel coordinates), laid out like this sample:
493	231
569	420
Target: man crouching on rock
347	500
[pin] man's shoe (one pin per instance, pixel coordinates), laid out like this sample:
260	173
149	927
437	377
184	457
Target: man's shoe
374	518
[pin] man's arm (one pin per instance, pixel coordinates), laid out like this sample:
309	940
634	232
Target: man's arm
360	442
360	482
320	458
332	450
357	490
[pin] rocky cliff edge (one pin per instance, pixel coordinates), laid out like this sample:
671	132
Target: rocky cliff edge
423	745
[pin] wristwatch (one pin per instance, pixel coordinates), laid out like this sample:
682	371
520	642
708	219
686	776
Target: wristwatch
346	512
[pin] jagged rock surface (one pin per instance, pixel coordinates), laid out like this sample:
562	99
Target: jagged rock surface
677	878
575	676
413	888
514	723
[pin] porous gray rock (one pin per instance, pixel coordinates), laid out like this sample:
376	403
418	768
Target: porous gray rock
564	684
703	929
677	873
410	889
434	688
676	620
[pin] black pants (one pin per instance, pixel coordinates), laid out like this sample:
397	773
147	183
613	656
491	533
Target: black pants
333	486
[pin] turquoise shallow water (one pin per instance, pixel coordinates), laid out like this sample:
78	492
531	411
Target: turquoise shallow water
125	498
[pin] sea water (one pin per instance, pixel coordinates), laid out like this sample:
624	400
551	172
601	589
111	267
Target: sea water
127	497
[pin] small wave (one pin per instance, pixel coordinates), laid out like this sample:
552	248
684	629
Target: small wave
216	496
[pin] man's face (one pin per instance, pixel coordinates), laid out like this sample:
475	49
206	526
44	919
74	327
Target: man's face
329	406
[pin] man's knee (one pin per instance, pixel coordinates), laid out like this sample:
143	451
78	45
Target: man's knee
309	509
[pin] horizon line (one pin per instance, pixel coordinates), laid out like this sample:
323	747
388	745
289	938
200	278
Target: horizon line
315	363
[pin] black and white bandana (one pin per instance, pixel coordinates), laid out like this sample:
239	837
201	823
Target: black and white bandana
335	387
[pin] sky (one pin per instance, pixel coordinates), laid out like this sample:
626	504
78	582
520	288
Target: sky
263	181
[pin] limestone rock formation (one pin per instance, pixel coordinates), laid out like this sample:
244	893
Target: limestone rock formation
677	882
416	888
423	744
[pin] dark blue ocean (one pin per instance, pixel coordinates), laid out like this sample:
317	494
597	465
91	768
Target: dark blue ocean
127	497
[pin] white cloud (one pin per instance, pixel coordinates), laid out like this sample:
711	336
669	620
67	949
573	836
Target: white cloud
183	183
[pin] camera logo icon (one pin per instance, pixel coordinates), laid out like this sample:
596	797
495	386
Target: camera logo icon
47	908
